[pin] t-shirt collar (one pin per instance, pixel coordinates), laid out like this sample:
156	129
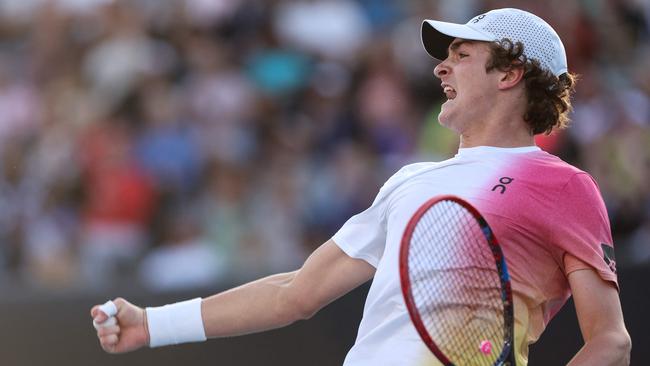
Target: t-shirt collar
467	151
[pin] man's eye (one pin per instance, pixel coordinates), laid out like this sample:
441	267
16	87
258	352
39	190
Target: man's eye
462	55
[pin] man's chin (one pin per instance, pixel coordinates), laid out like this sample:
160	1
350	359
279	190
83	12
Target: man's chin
447	121
444	120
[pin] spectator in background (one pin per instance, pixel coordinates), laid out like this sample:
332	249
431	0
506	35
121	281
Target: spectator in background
184	260
167	145
118	207
223	209
220	99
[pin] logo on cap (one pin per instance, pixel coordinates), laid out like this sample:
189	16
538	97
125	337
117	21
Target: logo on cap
478	18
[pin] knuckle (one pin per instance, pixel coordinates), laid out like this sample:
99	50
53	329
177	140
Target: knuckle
108	340
107	331
108	348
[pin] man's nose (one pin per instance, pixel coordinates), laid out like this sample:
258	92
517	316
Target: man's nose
442	69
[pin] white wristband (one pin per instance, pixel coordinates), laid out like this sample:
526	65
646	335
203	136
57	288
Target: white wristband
175	323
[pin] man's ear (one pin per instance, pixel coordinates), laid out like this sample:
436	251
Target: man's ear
511	77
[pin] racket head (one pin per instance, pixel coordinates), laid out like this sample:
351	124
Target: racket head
436	218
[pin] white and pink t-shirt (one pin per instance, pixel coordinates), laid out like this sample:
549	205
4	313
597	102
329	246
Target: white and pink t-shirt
548	216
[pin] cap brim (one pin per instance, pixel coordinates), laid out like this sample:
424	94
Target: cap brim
437	36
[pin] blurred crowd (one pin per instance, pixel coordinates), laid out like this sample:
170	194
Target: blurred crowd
176	143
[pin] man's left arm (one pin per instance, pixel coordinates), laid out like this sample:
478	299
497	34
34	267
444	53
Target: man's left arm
598	307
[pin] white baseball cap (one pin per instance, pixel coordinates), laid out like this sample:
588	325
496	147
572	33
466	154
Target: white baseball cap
540	41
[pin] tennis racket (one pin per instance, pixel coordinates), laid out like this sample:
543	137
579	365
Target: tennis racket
456	285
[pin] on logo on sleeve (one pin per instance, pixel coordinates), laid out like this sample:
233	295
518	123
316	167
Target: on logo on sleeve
608	256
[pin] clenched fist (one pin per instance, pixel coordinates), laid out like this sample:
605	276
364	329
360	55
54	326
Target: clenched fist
128	333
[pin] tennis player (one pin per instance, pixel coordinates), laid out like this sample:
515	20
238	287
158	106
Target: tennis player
505	77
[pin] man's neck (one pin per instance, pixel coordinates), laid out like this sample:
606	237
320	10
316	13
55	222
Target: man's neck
498	133
500	141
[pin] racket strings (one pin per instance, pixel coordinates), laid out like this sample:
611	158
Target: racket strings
455	285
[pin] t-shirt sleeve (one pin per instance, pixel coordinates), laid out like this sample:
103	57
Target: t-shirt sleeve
572	264
363	236
581	228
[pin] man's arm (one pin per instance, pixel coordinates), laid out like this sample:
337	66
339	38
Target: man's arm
268	303
282	299
601	321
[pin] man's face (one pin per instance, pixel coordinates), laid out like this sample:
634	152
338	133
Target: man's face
469	89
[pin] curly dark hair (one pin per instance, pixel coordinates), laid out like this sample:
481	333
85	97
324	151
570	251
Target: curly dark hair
549	96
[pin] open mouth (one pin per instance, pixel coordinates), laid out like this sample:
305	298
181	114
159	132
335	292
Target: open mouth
450	92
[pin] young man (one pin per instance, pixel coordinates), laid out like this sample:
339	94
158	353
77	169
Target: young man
505	77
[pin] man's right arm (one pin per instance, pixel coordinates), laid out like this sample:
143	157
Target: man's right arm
282	299
268	303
